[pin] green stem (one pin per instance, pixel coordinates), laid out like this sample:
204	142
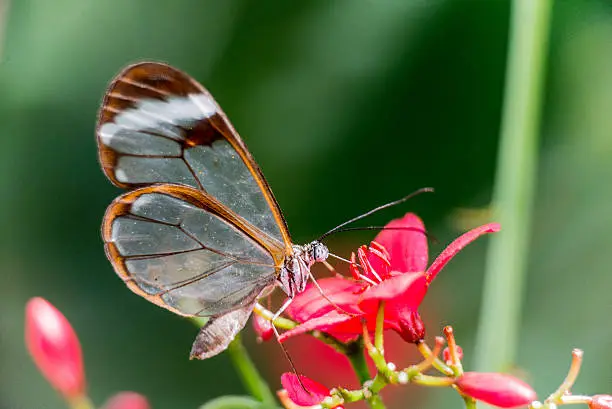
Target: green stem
375	401
378	334
470	403
428	380
356	356
437	363
250	376
514	185
81	402
233	402
247	371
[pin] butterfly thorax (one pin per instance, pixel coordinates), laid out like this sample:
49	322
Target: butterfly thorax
294	274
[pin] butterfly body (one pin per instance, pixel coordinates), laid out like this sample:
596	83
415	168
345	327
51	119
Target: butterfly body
294	274
199	231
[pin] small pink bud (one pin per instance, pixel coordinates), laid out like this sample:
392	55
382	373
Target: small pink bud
496	389
127	400
447	357
601	402
263	328
54	347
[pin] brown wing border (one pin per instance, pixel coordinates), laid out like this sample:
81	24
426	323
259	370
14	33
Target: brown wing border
121	206
219	121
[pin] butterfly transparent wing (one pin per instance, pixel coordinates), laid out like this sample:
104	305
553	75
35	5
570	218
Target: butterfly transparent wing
158	125
176	247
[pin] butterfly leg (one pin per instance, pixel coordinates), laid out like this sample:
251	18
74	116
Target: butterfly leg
274	317
278	314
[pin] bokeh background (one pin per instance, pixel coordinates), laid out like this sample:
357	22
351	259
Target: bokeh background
345	105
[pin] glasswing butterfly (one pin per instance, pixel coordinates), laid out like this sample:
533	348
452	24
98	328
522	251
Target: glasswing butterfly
199	231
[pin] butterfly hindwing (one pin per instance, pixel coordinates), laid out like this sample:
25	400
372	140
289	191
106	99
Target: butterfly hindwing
179	248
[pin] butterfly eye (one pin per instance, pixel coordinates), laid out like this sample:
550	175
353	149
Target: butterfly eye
319	251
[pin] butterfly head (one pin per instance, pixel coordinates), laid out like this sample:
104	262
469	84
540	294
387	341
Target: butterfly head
316	252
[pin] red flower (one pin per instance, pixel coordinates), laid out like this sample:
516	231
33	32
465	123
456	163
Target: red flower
394	270
55	348
127	400
305	394
496	389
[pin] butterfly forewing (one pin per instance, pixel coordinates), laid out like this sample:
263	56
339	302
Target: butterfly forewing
158	125
201	233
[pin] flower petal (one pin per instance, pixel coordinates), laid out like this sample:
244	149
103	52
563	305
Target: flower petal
54	347
322	323
456	246
496	389
287	403
313	395
406	289
310	303
406	243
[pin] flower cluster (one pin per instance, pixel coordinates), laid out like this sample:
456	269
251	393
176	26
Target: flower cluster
387	283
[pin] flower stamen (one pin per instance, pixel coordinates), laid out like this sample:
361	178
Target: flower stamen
354	268
367	266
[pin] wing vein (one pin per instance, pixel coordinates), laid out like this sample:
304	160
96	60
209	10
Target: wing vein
150	156
174	253
124	97
192	237
220	300
184	283
144	86
192	171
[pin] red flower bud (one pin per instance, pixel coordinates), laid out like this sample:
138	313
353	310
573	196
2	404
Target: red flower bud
54	347
127	400
263	328
412	328
496	389
601	402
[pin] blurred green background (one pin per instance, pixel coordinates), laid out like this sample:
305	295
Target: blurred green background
345	105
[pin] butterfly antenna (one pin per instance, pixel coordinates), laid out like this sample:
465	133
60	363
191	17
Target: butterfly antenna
406	228
376	209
